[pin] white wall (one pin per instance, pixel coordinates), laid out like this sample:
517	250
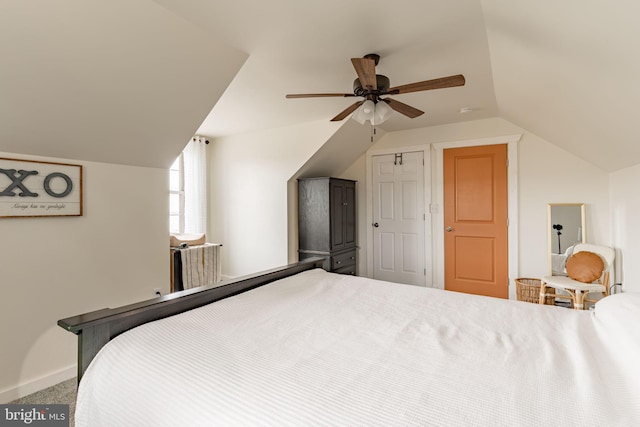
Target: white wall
52	268
625	211
248	193
547	174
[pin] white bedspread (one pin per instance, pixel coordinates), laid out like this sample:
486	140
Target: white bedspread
321	349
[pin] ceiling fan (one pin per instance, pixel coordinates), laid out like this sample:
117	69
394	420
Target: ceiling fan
372	87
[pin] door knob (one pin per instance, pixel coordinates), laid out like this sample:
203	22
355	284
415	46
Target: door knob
449	229
375	224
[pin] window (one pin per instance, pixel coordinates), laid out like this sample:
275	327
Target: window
176	196
188	189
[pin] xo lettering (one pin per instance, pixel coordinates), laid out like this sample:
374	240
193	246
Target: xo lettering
18	177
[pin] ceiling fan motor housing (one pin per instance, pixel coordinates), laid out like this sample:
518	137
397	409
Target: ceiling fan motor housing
382	82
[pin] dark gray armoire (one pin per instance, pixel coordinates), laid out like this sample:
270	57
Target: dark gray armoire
327	222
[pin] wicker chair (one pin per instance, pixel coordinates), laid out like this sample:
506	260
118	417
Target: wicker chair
577	291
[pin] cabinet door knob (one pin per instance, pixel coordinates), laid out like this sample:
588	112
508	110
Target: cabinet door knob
338	262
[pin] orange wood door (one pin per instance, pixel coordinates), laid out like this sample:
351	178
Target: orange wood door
475	220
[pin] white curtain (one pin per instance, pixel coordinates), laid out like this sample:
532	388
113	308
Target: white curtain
195	186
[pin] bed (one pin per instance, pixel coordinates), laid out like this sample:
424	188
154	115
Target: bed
318	348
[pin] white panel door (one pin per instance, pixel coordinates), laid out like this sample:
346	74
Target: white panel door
399	218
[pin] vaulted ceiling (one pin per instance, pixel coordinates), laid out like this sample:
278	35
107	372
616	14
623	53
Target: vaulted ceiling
113	81
130	81
302	47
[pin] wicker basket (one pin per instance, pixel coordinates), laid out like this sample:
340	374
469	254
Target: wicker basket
529	290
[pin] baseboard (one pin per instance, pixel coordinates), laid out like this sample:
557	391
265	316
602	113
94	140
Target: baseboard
41	383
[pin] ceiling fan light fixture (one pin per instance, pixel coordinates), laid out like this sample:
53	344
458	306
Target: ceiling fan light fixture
381	113
368	107
364	112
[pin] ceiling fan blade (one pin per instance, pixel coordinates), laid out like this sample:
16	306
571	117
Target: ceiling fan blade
366	70
403	108
318	95
347	111
441	83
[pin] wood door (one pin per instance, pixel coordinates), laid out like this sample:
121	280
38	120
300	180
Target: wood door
475	220
398	218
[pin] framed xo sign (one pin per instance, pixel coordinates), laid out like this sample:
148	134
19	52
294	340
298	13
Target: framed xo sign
32	189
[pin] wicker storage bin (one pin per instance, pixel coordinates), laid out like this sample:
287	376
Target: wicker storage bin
529	290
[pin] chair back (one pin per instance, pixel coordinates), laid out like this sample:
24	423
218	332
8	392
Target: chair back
606	253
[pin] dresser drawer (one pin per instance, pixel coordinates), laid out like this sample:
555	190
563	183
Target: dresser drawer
342	260
350	269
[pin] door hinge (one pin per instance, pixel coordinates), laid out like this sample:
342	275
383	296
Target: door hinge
425	271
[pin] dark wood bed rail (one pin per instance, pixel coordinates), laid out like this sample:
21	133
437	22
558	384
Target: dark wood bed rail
97	328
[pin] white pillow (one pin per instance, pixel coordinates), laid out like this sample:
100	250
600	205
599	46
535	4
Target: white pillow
190	239
622	309
619	317
569	251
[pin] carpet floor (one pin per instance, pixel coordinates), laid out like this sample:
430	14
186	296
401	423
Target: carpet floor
63	393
